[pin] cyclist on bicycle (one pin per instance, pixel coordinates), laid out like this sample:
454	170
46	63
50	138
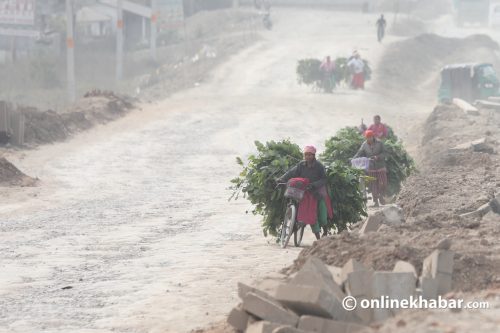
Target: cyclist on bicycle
311	169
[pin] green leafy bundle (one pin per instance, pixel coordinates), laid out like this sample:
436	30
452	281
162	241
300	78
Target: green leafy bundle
344	145
347	199
256	180
273	159
399	165
308	71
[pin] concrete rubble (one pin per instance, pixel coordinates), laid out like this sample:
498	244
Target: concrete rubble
480	146
391	215
312	300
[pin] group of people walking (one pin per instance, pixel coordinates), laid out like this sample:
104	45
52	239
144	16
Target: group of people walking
356	70
355	65
314	172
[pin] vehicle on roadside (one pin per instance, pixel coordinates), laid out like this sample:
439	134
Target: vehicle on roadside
469	82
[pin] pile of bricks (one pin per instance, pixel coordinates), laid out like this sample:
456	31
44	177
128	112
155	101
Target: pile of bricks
312	299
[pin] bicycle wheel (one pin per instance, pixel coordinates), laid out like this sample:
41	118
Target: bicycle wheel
298	234
288	223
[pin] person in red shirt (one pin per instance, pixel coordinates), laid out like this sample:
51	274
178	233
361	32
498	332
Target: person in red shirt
379	130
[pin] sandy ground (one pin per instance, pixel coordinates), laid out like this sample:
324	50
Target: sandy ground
134	216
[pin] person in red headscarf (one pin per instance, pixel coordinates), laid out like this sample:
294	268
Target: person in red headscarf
316	207
374	149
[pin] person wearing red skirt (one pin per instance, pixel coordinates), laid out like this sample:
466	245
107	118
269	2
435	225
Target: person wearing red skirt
375	150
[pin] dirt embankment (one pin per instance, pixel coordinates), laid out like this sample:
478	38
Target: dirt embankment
42	127
96	107
12	176
416	62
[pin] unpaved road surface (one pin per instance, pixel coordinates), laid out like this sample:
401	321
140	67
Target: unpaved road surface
133	218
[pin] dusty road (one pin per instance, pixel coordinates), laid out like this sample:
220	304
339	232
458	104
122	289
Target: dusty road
134	216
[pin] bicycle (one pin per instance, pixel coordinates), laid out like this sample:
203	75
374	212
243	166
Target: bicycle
290	225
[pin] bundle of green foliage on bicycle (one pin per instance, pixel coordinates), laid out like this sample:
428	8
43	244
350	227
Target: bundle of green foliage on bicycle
309	72
273	159
344	145
256	180
347	200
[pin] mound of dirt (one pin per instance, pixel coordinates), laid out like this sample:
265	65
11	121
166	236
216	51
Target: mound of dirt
475	267
448	126
12	176
407	64
97	107
408	27
458	321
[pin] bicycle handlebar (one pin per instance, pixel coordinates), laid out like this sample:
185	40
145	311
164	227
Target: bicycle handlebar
279	184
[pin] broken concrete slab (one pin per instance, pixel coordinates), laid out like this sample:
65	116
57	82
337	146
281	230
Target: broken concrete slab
252	319
479	145
288	329
358	283
262	327
268	309
484	209
309	300
444	244
439	265
336	274
404	266
495	204
438	261
315	273
492	105
444	283
364	314
461	148
264	289
238	318
352	265
394	286
482	146
372	223
465	106
393	215
478	213
322	325
429	287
